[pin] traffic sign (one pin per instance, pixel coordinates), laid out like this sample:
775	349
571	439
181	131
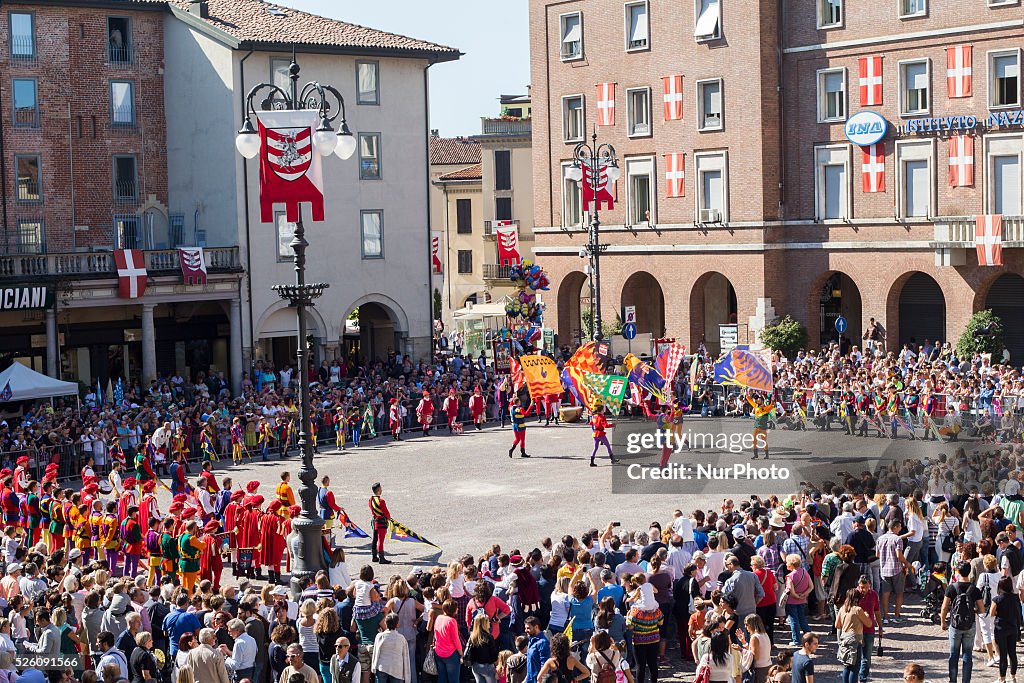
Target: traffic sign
630	316
629	331
841	324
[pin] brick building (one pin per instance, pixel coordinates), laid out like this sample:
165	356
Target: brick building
742	197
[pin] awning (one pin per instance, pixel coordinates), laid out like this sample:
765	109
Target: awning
707	22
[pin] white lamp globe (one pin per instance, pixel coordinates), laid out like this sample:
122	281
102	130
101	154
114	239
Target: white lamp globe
346	143
614	172
574	173
247	144
325	141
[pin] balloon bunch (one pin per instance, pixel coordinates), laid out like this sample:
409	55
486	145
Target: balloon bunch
529	274
528	278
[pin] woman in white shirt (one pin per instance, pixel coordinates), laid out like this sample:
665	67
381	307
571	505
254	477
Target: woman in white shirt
721	658
759	647
988	582
560	601
917	527
946	525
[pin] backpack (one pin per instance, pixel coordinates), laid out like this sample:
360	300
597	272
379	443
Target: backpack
606	673
961	613
986	594
1012	554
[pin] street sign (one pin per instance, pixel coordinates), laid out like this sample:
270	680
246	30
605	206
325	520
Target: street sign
629	331
728	337
630	316
841	324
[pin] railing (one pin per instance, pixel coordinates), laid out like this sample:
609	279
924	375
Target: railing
489	226
26	117
123	117
28	190
120	55
494	271
125	192
958	231
505	126
102	263
23	49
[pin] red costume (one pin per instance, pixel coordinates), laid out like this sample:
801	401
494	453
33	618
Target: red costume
477	407
272	533
249	527
21	475
425	412
211	565
451	407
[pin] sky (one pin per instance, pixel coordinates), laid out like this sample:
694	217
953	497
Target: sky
493	36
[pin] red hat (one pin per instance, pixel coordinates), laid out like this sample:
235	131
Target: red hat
23	460
213	526
426	394
295	510
188	513
129	483
49	476
149	486
237	494
5	473
180	498
257	500
176	506
52	467
274	506
91	487
252	486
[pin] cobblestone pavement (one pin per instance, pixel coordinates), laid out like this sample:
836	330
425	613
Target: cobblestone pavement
464	493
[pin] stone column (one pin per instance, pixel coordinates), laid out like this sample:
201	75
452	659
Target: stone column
235	345
148	345
52	353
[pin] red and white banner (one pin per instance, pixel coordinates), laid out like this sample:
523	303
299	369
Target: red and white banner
672	87
606	104
961	161
193	265
988	239
131	273
290	168
436	265
675	175
600	194
958	71
870	70
873	167
507	237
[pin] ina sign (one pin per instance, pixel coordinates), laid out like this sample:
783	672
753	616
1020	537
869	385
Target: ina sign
866	128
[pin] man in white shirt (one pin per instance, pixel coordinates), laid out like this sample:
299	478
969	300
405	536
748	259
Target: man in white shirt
715	562
842	525
110	654
241	658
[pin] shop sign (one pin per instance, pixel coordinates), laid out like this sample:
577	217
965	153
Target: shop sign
865	128
938	125
25	297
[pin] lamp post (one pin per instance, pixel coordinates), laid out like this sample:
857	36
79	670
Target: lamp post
329	105
594	160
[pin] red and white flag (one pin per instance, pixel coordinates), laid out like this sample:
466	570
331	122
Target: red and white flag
606	104
507	237
193	265
673	95
988	239
435	253
675	175
601	193
290	168
961	161
958	71
131	273
873	168
870	69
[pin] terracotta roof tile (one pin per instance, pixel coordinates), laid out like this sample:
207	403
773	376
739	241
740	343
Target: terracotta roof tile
474	172
446	151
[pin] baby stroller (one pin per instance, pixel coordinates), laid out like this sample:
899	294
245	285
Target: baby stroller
933	588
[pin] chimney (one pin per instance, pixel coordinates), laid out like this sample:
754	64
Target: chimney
199	8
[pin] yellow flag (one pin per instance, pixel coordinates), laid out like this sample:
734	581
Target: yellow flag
541	375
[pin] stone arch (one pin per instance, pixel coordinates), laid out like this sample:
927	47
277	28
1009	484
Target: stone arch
1004	294
834	293
383	326
713	302
643	291
916	309
569	300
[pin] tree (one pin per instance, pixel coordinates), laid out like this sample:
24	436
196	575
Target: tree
785	335
437	304
983	334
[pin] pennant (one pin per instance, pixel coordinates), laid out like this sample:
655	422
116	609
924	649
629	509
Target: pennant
870	75
668	362
606	104
7	394
206	447
403	534
600	194
959	80
131	273
290	170
961	161
672	88
193	265
645	377
608	390
675	175
584	362
119	391
988	239
541	375
435	253
873	168
507	236
351	529
744	368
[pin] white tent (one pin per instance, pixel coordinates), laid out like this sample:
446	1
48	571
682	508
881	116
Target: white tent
27	384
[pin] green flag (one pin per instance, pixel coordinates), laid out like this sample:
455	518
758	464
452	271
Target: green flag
608	390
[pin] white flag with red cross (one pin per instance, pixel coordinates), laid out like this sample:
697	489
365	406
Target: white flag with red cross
873	167
675	175
606	104
131	273
870	74
958	71
961	161
988	239
672	87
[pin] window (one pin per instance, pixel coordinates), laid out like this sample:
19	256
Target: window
122	104
502	208
367	78
1004	79
23	35
1002	3
570	28
639	196
638	111
573	125
832	182
637	30
464	216
279	75
709	105
1004	153
830	13
372	230
465	261
26	105
914	165
369	156
708	23
572	200
285	233
502	169
125	179
914	88
913	8
119	40
176	229
712	190
27	172
128	232
30	237
831	95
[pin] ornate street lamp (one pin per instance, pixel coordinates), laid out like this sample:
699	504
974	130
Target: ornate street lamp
594	160
329	105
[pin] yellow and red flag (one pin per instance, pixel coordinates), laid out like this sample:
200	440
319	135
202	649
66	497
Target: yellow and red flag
541	375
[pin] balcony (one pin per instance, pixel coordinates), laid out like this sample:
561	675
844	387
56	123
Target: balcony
120	55
505	127
96	265
493	271
954	237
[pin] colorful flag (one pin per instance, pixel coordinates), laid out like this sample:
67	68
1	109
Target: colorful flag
206	446
290	170
541	375
744	368
507	237
352	530
435	253
601	193
584	362
403	534
119	391
6	394
668	361
870	75
193	265
608	390
516	371
131	273
988	239
645	377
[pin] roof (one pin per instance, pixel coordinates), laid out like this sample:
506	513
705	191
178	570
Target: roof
255	23
448	151
514	99
27	384
474	172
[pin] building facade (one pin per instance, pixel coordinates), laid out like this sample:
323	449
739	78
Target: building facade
742	198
